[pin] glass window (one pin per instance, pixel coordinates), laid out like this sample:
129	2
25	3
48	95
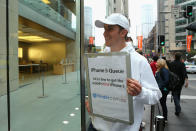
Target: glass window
180	22
180	37
44	66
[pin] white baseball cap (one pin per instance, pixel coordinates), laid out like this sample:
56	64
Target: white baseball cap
114	19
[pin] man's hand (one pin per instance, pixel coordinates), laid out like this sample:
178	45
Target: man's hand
186	83
87	106
133	87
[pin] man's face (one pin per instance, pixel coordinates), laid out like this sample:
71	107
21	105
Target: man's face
112	34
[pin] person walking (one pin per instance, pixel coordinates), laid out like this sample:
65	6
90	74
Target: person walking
179	69
142	86
153	64
162	78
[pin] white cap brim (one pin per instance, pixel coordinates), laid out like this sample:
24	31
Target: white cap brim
100	23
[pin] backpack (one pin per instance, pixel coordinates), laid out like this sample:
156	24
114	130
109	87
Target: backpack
173	81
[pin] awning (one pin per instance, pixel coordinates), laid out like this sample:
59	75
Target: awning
191	27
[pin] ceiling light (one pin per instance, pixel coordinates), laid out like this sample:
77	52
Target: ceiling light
46	1
65	122
72	114
76	108
33	38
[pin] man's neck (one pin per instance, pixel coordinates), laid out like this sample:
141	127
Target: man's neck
118	47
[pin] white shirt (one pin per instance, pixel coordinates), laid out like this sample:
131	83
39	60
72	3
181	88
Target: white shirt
150	94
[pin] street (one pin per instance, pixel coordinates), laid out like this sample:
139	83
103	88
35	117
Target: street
191	90
186	120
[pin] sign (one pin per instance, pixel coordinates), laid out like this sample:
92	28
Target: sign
189	39
91	40
140	39
175	10
106	80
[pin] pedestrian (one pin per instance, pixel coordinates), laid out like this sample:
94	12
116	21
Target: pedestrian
153	64
179	69
142	86
162	78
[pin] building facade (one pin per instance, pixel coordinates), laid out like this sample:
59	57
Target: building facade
150	42
166	27
169	29
160	27
147	22
181	24
173	26
117	6
88	25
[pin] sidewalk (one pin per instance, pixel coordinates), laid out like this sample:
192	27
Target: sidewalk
59	111
187	119
185	122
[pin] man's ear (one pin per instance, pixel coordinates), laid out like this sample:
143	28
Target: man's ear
123	33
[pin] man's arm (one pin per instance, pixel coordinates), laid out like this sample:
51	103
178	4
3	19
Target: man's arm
186	76
186	83
87	106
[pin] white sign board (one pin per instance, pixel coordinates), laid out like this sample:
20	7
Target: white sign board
107	76
175	10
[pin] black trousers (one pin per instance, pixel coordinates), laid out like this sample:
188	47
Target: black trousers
163	101
176	96
91	128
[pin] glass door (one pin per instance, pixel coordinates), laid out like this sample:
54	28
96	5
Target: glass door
44	65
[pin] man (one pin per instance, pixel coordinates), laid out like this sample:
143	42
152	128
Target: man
179	69
142	86
153	64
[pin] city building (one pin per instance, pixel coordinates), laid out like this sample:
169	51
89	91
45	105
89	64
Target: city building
150	42
147	24
182	22
88	26
147	18
117	6
169	29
